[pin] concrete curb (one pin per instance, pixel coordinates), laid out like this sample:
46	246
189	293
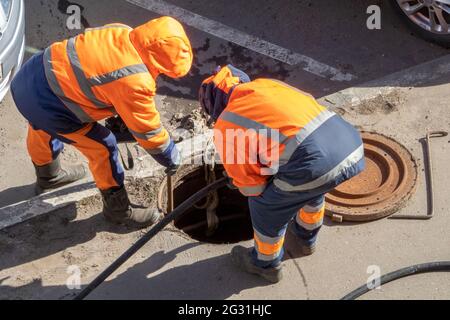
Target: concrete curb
146	167
415	76
23	211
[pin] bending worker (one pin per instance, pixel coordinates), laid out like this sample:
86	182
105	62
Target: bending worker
111	70
285	152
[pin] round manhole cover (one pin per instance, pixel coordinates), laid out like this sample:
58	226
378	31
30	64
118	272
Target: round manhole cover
383	188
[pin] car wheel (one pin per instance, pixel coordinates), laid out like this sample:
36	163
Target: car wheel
428	18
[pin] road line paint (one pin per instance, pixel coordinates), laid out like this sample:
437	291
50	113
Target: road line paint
32	50
243	39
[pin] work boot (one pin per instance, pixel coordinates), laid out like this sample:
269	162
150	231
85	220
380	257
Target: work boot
52	176
242	259
118	209
308	250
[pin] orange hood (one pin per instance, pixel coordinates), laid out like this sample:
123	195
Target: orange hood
216	90
164	47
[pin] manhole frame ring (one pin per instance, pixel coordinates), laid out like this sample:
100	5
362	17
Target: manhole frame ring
400	203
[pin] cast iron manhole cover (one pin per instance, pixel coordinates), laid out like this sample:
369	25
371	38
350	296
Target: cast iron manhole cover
382	189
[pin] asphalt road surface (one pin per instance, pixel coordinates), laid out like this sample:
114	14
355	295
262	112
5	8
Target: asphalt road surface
320	46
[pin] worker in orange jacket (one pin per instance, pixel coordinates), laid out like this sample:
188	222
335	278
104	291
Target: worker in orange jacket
284	151
64	92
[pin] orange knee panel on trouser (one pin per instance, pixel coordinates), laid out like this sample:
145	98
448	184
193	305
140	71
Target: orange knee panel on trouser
98	156
311	218
38	145
268	248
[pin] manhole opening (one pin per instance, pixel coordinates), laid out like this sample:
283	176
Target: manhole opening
233	211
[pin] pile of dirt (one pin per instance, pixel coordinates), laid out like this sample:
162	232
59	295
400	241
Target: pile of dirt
383	103
143	191
187	126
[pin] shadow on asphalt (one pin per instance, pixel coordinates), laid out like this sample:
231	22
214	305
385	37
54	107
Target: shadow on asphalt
50	234
16	194
212	279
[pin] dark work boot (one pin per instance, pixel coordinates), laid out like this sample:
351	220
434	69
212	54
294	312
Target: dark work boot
118	209
52	176
308	250
243	260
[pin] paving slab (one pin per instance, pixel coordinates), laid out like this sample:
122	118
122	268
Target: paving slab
35	255
59	234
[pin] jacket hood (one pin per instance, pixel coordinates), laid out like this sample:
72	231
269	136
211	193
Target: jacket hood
216	90
164	47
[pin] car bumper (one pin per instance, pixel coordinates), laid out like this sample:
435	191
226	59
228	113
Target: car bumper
11	56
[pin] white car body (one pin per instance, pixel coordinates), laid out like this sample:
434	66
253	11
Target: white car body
12	41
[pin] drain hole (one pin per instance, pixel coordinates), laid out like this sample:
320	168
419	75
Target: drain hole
233	211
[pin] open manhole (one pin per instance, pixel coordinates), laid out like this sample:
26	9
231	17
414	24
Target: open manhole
384	187
233	212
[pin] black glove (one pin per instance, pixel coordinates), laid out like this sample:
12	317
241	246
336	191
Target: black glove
230	184
118	127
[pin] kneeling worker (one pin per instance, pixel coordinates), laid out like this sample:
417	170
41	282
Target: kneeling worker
105	71
284	152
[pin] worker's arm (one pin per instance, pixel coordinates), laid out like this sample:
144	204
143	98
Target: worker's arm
241	165
137	108
246	178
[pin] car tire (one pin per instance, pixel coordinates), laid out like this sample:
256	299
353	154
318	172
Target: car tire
440	39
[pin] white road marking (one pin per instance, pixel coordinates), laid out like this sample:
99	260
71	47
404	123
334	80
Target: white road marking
243	39
32	50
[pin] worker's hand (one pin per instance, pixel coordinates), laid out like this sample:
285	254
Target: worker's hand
230	184
171	158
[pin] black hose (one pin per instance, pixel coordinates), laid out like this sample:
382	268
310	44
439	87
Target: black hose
180	210
405	272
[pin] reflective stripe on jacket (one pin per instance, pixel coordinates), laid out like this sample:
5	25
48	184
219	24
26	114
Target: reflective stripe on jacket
108	71
292	137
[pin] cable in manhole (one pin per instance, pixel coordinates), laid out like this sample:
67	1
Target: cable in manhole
233	212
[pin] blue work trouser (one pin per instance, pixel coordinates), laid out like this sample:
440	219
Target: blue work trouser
271	214
52	124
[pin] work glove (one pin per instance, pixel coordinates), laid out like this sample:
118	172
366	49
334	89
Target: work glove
170	158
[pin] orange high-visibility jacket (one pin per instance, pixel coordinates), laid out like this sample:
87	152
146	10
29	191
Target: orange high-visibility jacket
112	70
271	131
